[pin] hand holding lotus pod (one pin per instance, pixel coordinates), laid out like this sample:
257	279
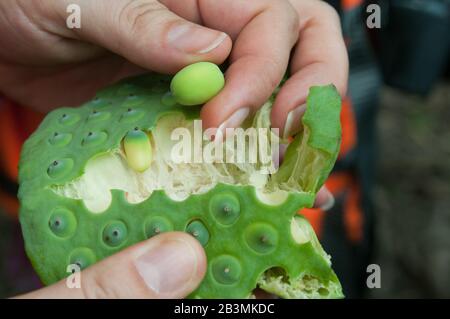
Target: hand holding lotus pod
99	178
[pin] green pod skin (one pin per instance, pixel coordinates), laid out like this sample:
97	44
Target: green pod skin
246	246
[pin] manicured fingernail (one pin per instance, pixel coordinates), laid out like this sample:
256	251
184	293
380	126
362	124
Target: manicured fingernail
293	121
329	203
168	267
190	38
234	121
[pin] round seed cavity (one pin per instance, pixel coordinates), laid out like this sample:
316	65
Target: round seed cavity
94	138
115	233
226	269
197	229
261	237
59	168
62	223
98	116
132	115
99	102
157	225
60	139
83	257
69	119
168	100
225	208
133	100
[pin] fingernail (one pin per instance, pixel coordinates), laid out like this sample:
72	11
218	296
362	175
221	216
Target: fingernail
234	121
293	122
190	38
168	267
329	203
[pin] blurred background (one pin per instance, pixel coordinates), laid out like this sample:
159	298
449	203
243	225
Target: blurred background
394	207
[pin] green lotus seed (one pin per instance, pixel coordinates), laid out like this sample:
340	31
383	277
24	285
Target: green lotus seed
62	223
262	238
197	83
60	139
138	150
132	115
98	102
225	208
199	231
157	225
82	257
115	233
59	168
69	119
94	138
98	116
226	269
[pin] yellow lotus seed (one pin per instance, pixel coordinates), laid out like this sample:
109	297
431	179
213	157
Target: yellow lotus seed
138	150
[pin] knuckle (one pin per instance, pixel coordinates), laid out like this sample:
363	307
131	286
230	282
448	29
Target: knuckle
271	77
284	11
135	15
327	11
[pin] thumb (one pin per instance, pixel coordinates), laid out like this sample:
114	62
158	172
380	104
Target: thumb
147	33
170	265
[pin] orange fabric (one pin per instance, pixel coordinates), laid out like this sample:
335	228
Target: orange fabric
338	183
10	205
353	216
315	217
350	4
9	142
348	123
16	124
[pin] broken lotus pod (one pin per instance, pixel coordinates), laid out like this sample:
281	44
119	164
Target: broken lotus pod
91	185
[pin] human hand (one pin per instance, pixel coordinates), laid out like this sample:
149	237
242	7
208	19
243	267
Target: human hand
45	65
170	265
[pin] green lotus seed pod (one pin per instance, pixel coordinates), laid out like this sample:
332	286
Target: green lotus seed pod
138	150
199	231
197	83
87	193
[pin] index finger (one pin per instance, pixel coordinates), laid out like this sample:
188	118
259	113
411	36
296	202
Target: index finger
264	33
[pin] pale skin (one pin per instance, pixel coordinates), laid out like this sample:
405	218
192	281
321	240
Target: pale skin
45	65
